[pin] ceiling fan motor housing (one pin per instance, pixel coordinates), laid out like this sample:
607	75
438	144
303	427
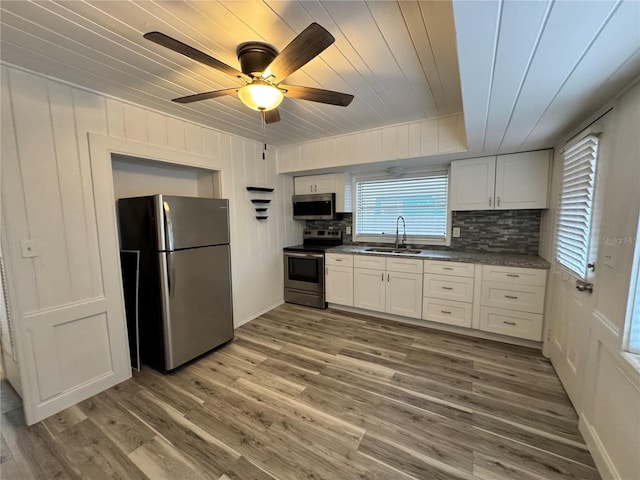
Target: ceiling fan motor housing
255	57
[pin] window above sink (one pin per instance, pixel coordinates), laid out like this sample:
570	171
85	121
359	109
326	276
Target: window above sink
421	201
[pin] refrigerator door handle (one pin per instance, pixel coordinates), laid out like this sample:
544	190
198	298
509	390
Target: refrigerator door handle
171	271
168	227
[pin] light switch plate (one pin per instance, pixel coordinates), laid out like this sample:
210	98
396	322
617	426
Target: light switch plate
30	248
348	230
456	232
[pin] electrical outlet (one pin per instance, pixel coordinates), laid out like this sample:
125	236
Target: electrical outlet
348	230
456	232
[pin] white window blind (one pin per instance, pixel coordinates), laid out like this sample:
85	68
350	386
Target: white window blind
573	230
422	201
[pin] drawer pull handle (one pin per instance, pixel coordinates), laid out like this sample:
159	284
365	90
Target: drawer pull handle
447	288
338	259
447	268
512	297
513	275
446	311
509	323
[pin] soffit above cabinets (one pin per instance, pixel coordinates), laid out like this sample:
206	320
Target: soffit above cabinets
523	72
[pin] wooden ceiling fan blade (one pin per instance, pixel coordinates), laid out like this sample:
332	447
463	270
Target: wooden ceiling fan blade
196	97
312	41
194	54
271	116
317	95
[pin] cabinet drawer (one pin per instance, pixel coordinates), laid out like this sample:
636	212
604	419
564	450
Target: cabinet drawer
508	322
338	259
526	298
371	262
448	288
457	269
447	311
408	265
524	276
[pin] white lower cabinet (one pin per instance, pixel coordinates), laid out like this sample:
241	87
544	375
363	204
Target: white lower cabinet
404	294
447	311
339	279
388	285
508	301
512	301
510	322
369	289
448	292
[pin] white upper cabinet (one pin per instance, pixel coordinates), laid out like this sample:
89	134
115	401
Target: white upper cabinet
338	183
505	182
472	184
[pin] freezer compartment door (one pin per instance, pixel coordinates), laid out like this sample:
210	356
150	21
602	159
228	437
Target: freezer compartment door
194	222
198	305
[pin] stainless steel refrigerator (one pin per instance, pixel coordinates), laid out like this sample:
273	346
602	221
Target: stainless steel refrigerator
184	288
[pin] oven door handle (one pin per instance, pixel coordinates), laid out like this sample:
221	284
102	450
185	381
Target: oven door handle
305	255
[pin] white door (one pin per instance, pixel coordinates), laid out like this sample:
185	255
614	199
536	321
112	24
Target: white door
570	309
339	285
570	317
404	294
369	289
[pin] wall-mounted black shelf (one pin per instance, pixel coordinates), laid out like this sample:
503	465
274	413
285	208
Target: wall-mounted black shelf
260	203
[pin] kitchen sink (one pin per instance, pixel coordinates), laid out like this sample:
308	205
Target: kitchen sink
406	251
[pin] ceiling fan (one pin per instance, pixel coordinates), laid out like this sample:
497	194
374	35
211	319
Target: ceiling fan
263	70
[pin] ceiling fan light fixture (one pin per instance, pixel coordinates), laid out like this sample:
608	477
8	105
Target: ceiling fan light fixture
261	96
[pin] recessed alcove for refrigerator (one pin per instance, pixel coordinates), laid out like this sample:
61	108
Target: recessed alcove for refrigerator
134	176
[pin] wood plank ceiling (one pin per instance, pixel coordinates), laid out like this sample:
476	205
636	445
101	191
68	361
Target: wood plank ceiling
398	59
523	72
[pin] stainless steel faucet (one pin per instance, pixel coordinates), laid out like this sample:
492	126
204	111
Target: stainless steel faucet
404	232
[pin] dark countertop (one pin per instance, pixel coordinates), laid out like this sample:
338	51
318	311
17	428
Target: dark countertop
504	260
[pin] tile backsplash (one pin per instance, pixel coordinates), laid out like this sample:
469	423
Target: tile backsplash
496	231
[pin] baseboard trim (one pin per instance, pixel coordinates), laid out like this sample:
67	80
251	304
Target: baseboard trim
470	332
237	324
605	465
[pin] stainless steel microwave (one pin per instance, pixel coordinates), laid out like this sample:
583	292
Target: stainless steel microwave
317	206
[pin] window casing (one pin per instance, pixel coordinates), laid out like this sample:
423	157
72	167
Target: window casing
420	200
633	307
573	227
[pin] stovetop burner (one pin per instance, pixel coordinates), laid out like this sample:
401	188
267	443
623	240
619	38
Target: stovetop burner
317	241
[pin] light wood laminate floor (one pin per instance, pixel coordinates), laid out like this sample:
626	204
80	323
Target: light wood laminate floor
311	394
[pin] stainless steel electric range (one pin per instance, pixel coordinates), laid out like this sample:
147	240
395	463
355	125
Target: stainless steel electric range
304	268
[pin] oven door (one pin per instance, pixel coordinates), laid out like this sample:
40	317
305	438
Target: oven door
304	271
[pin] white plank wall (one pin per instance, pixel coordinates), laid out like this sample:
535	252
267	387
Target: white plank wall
423	138
48	197
609	386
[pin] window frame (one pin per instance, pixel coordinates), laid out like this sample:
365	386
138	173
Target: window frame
632	318
411	239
